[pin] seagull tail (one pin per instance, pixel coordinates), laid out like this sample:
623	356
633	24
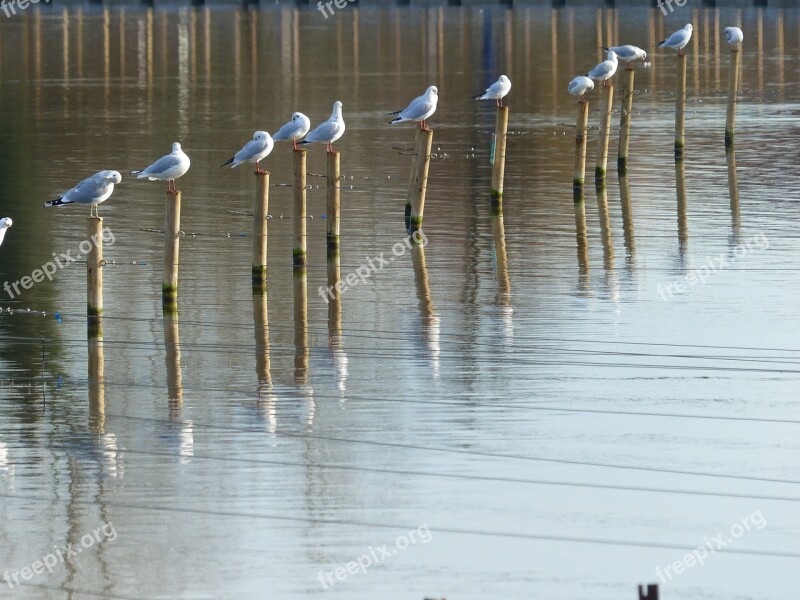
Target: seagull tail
395	120
397	112
227	163
661	43
479	97
56	202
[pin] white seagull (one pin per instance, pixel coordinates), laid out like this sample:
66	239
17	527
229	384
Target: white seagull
497	91
254	151
294	130
679	39
606	69
579	86
733	35
329	131
420	109
92	191
5	223
167	168
629	53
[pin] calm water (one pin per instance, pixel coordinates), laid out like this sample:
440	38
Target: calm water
519	387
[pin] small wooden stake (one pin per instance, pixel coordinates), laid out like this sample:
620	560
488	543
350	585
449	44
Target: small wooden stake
498	171
299	214
94	276
625	121
260	211
418	185
172	228
650	594
605	134
733	88
581	137
680	106
334	203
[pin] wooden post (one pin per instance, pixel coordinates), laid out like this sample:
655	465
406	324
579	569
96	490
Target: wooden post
299	214
605	134
581	136
625	121
334	203
498	171
650	594
94	276
172	228
680	106
733	88
260	212
419	179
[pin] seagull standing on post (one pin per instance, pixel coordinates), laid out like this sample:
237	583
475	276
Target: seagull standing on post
167	168
5	223
294	130
420	109
679	39
628	53
497	91
606	69
254	151
579	86
92	191
329	131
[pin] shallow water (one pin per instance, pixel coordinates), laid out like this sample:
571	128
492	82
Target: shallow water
521	388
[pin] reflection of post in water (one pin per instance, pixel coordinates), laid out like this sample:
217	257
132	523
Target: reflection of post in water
605	227
580	234
300	326
627	218
334	297
97	391
261	325
733	188
683	221
172	344
503	297
430	322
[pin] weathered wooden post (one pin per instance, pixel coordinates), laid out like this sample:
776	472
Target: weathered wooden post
733	88
334	199
650	594
260	211
605	134
581	136
94	276
498	170
172	228
299	214
625	121
680	106
418	185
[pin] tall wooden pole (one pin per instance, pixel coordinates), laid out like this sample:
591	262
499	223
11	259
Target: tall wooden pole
418	185
172	228
498	171
680	106
94	276
605	134
625	121
299	213
334	199
733	88
260	211
581	136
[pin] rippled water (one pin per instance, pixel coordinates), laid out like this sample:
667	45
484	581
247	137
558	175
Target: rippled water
521	387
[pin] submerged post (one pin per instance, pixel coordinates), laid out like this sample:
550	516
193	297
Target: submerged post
260	211
680	106
498	171
418	184
94	276
172	228
580	144
733	88
334	202
605	134
625	121
299	213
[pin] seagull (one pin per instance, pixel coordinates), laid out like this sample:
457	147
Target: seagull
167	168
733	35
679	39
254	151
329	131
579	86
294	130
92	191
420	109
629	53
606	69
5	223
497	91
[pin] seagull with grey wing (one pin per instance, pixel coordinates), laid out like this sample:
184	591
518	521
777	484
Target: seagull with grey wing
628	53
5	223
606	69
679	39
329	131
294	130
92	191
167	168
497	91
733	35
254	151
419	110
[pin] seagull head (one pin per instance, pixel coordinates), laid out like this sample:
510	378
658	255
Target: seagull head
5	223
297	116
260	136
113	177
176	147
611	55
503	79
432	91
688	27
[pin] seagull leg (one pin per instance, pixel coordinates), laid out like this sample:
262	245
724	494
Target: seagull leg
294	144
